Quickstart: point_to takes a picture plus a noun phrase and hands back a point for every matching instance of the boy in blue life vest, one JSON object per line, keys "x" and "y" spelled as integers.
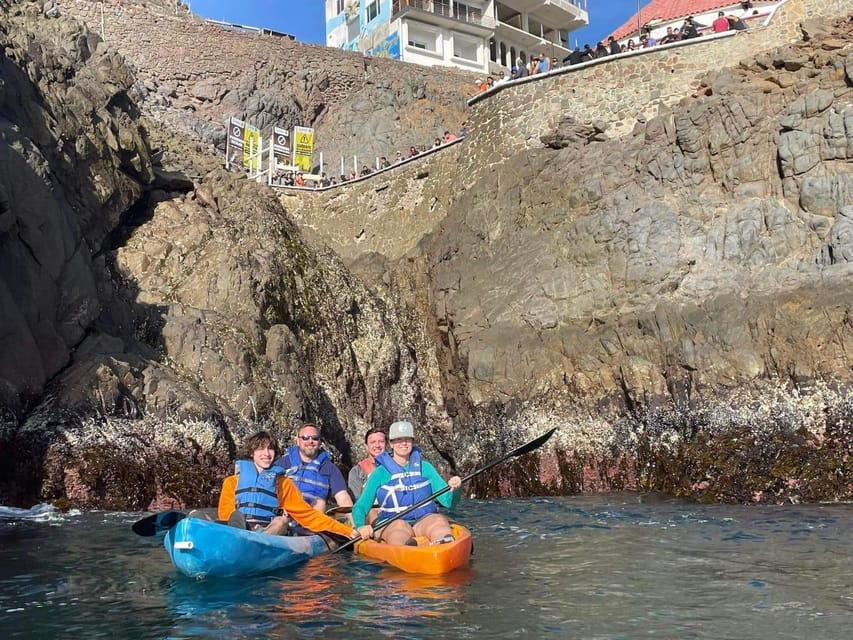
{"x": 313, "y": 471}
{"x": 263, "y": 497}
{"x": 403, "y": 478}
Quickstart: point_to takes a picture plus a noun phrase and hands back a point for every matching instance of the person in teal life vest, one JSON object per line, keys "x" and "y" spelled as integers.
{"x": 312, "y": 470}
{"x": 403, "y": 478}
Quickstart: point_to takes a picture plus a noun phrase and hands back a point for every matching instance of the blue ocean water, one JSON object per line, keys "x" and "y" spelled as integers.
{"x": 603, "y": 567}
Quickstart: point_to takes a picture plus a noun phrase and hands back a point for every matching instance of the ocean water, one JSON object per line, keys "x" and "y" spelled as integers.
{"x": 615, "y": 566}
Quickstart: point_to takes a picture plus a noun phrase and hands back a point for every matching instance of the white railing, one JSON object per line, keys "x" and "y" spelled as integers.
{"x": 580, "y": 4}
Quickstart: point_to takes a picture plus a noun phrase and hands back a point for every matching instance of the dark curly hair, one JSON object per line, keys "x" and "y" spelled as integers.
{"x": 259, "y": 440}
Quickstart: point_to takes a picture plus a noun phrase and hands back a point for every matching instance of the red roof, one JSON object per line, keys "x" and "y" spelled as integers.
{"x": 669, "y": 10}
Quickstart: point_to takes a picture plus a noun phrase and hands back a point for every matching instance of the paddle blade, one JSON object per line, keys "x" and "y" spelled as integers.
{"x": 157, "y": 523}
{"x": 533, "y": 444}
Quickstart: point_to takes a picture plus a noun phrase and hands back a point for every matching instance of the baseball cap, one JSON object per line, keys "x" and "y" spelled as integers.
{"x": 401, "y": 429}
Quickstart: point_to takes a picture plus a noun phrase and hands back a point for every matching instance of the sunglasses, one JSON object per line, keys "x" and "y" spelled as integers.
{"x": 307, "y": 438}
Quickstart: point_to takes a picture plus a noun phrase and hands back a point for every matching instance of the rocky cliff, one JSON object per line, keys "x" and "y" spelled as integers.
{"x": 191, "y": 75}
{"x": 639, "y": 289}
{"x": 676, "y": 299}
{"x": 146, "y": 318}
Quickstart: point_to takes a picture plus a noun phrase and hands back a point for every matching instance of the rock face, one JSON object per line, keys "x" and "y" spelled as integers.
{"x": 676, "y": 299}
{"x": 74, "y": 160}
{"x": 682, "y": 274}
{"x": 145, "y": 325}
{"x": 193, "y": 75}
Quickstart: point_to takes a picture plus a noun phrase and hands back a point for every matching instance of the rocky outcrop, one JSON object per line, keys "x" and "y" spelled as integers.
{"x": 193, "y": 75}
{"x": 676, "y": 299}
{"x": 619, "y": 286}
{"x": 148, "y": 318}
{"x": 75, "y": 160}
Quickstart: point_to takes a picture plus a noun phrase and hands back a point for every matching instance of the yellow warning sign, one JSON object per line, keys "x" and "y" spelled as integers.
{"x": 303, "y": 147}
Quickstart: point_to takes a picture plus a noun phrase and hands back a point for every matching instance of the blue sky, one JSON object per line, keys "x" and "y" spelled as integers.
{"x": 605, "y": 16}
{"x": 305, "y": 19}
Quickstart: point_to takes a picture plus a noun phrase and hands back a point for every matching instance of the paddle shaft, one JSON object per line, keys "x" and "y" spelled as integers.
{"x": 526, "y": 448}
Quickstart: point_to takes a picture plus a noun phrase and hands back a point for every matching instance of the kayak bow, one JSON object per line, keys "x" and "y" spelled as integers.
{"x": 426, "y": 558}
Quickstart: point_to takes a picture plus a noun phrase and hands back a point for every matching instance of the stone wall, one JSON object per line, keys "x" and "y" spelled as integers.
{"x": 614, "y": 93}
{"x": 388, "y": 213}
{"x": 618, "y": 92}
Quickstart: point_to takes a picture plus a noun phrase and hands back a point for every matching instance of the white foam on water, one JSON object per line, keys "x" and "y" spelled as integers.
{"x": 38, "y": 513}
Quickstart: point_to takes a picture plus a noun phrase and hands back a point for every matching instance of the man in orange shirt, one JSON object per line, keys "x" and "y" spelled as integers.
{"x": 264, "y": 496}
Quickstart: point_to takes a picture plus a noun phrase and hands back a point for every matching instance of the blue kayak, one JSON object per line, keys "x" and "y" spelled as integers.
{"x": 201, "y": 548}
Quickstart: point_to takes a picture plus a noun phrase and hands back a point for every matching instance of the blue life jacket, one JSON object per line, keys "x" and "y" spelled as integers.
{"x": 306, "y": 475}
{"x": 256, "y": 494}
{"x": 404, "y": 489}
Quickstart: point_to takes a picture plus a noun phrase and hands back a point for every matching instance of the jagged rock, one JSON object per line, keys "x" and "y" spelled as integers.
{"x": 209, "y": 89}
{"x": 651, "y": 294}
{"x": 570, "y": 133}
{"x": 171, "y": 181}
{"x": 840, "y": 248}
{"x": 813, "y": 29}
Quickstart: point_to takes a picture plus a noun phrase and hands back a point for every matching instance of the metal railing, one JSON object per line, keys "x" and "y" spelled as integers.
{"x": 445, "y": 8}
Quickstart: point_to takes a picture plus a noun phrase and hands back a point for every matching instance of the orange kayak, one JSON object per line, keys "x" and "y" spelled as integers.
{"x": 427, "y": 558}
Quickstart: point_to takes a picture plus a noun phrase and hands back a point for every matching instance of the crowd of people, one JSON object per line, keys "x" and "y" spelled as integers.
{"x": 541, "y": 63}
{"x": 289, "y": 492}
{"x": 689, "y": 29}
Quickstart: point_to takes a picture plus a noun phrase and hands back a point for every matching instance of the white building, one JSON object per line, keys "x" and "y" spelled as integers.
{"x": 476, "y": 35}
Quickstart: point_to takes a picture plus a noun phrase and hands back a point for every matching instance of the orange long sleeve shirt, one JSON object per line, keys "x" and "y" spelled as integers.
{"x": 290, "y": 500}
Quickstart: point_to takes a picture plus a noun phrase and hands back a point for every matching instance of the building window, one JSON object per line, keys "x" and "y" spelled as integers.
{"x": 420, "y": 38}
{"x": 372, "y": 10}
{"x": 341, "y": 7}
{"x": 467, "y": 14}
{"x": 353, "y": 29}
{"x": 464, "y": 48}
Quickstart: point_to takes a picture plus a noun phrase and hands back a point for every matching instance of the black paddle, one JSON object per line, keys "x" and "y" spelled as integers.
{"x": 157, "y": 523}
{"x": 526, "y": 448}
